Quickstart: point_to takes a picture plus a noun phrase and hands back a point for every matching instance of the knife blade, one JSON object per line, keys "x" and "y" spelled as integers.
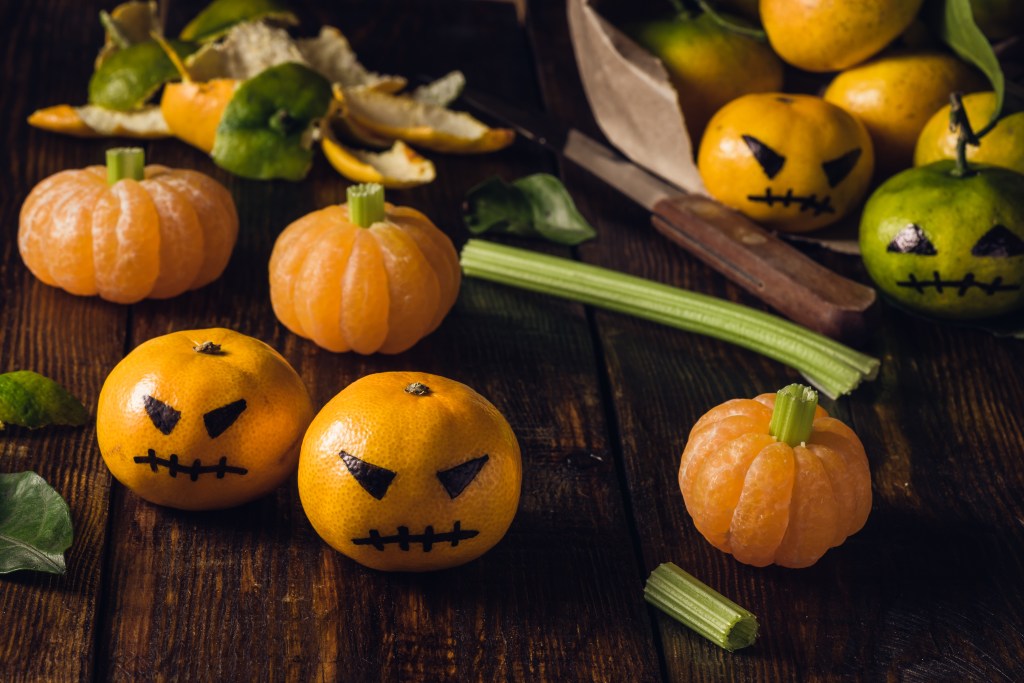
{"x": 752, "y": 257}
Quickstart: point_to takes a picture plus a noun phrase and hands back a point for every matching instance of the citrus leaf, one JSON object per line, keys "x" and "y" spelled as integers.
{"x": 35, "y": 525}
{"x": 219, "y": 16}
{"x": 28, "y": 399}
{"x": 953, "y": 21}
{"x": 266, "y": 130}
{"x": 130, "y": 76}
{"x": 535, "y": 206}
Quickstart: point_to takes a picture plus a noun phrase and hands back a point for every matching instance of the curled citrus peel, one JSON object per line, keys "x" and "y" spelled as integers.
{"x": 90, "y": 121}
{"x": 398, "y": 167}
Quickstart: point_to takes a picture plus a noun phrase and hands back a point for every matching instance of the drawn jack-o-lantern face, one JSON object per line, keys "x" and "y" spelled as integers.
{"x": 793, "y": 162}
{"x": 410, "y": 472}
{"x": 202, "y": 419}
{"x": 951, "y": 247}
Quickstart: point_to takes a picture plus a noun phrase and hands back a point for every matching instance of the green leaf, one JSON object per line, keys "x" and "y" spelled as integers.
{"x": 534, "y": 206}
{"x": 953, "y": 21}
{"x": 266, "y": 130}
{"x": 35, "y": 525}
{"x": 220, "y": 15}
{"x": 28, "y": 399}
{"x": 129, "y": 77}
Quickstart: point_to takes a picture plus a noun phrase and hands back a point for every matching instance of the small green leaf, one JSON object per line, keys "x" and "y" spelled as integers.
{"x": 35, "y": 525}
{"x": 129, "y": 77}
{"x": 953, "y": 21}
{"x": 28, "y": 399}
{"x": 219, "y": 16}
{"x": 534, "y": 206}
{"x": 266, "y": 130}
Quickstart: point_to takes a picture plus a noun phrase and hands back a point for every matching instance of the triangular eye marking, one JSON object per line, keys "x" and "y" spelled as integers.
{"x": 999, "y": 242}
{"x": 456, "y": 479}
{"x": 837, "y": 169}
{"x": 219, "y": 419}
{"x": 770, "y": 160}
{"x": 375, "y": 480}
{"x": 162, "y": 415}
{"x": 911, "y": 240}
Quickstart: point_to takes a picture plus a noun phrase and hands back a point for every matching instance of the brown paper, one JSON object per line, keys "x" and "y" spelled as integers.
{"x": 637, "y": 109}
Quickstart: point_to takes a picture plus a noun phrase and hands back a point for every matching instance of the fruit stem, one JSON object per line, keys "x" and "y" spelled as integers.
{"x": 207, "y": 347}
{"x": 793, "y": 415}
{"x": 959, "y": 123}
{"x": 729, "y": 25}
{"x": 418, "y": 389}
{"x": 125, "y": 162}
{"x": 172, "y": 55}
{"x": 366, "y": 204}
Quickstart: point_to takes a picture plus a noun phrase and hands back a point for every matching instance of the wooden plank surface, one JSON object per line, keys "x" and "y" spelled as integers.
{"x": 601, "y": 403}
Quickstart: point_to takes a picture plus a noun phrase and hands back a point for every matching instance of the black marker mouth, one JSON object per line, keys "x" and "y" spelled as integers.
{"x": 194, "y": 470}
{"x": 960, "y": 286}
{"x": 429, "y": 538}
{"x": 806, "y": 202}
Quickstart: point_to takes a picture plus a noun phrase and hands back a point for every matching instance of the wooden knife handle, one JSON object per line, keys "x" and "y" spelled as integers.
{"x": 778, "y": 274}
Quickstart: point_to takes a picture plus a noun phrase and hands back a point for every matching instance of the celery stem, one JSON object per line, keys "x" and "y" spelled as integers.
{"x": 793, "y": 415}
{"x": 125, "y": 162}
{"x": 366, "y": 204}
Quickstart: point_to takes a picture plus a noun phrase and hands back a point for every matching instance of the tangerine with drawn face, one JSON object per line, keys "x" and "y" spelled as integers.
{"x": 795, "y": 163}
{"x": 406, "y": 471}
{"x": 202, "y": 419}
{"x": 945, "y": 245}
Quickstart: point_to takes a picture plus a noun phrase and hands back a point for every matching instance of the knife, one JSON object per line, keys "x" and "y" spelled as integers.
{"x": 753, "y": 258}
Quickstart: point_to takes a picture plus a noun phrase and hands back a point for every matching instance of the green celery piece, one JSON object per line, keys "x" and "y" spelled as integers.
{"x": 130, "y": 76}
{"x": 953, "y": 21}
{"x": 219, "y": 16}
{"x": 35, "y": 525}
{"x": 28, "y": 399}
{"x": 266, "y": 128}
{"x": 701, "y": 608}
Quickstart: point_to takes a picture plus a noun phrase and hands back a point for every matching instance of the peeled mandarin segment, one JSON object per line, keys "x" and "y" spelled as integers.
{"x": 33, "y": 230}
{"x": 718, "y": 484}
{"x": 439, "y": 252}
{"x": 318, "y": 294}
{"x": 292, "y": 248}
{"x": 838, "y": 477}
{"x": 736, "y": 406}
{"x": 705, "y": 443}
{"x": 217, "y": 215}
{"x": 761, "y": 516}
{"x": 69, "y": 248}
{"x": 813, "y": 513}
{"x": 833, "y": 434}
{"x": 365, "y": 308}
{"x": 181, "y": 241}
{"x": 126, "y": 242}
{"x": 413, "y": 289}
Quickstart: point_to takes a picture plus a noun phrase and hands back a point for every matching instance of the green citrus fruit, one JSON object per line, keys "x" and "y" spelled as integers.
{"x": 826, "y": 35}
{"x": 709, "y": 64}
{"x": 895, "y": 96}
{"x": 1001, "y": 146}
{"x": 945, "y": 245}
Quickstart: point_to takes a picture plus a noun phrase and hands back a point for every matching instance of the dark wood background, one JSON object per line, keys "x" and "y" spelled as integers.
{"x": 929, "y": 590}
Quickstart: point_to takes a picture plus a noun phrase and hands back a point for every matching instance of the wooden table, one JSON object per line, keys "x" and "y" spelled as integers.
{"x": 929, "y": 590}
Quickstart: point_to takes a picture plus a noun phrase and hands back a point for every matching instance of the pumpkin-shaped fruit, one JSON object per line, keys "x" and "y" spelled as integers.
{"x": 827, "y": 35}
{"x": 127, "y": 232}
{"x": 202, "y": 419}
{"x": 405, "y": 471}
{"x": 364, "y": 276}
{"x": 945, "y": 244}
{"x": 775, "y": 480}
{"x": 793, "y": 162}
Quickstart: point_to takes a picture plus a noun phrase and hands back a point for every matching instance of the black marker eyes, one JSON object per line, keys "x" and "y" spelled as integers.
{"x": 771, "y": 161}
{"x": 456, "y": 479}
{"x": 911, "y": 240}
{"x": 165, "y": 418}
{"x": 837, "y": 169}
{"x": 998, "y": 242}
{"x": 375, "y": 480}
{"x": 219, "y": 419}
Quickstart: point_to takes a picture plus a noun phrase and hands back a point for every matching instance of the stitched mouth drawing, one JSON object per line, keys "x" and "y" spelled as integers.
{"x": 961, "y": 286}
{"x": 806, "y": 202}
{"x": 428, "y": 538}
{"x": 194, "y": 470}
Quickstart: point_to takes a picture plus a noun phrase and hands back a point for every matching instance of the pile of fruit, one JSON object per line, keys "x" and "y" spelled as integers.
{"x": 876, "y": 103}
{"x": 238, "y": 86}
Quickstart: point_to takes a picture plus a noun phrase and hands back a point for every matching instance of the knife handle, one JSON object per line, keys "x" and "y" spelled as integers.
{"x": 773, "y": 271}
